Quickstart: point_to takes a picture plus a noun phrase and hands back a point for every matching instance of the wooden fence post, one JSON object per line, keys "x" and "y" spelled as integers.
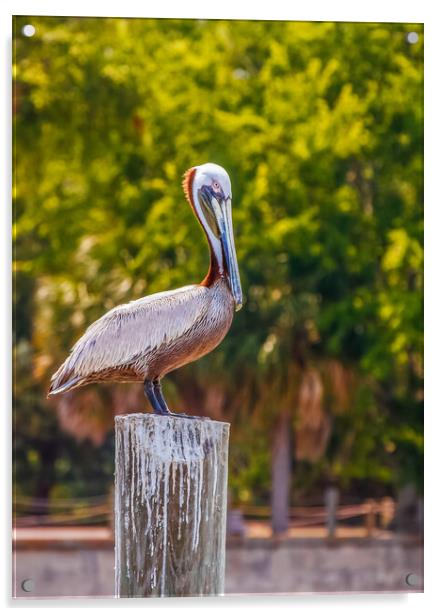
{"x": 331, "y": 507}
{"x": 281, "y": 457}
{"x": 170, "y": 506}
{"x": 370, "y": 520}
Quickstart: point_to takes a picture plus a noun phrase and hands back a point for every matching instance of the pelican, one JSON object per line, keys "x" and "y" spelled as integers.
{"x": 147, "y": 338}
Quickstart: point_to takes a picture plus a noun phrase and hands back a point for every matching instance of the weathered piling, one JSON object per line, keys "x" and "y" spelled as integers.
{"x": 170, "y": 506}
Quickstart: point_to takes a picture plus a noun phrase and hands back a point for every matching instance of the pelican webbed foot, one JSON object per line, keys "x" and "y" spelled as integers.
{"x": 154, "y": 393}
{"x": 185, "y": 416}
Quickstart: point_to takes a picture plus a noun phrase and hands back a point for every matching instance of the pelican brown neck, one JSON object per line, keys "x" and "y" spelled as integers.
{"x": 216, "y": 266}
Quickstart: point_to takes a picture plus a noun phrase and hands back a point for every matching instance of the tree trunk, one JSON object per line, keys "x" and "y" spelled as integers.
{"x": 281, "y": 466}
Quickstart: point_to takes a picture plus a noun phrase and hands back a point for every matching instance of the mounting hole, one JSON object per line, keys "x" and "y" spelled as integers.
{"x": 28, "y": 30}
{"x": 412, "y": 579}
{"x": 27, "y": 585}
{"x": 412, "y": 37}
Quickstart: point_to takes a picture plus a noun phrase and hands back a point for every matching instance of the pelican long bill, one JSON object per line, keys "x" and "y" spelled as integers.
{"x": 228, "y": 246}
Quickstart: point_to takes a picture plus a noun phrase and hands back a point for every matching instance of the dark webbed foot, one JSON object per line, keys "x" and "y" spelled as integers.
{"x": 154, "y": 394}
{"x": 185, "y": 416}
{"x": 182, "y": 415}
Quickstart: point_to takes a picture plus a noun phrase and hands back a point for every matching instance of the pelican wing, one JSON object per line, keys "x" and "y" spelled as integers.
{"x": 130, "y": 330}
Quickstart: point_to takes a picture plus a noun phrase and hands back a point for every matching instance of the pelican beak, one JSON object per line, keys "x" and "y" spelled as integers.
{"x": 228, "y": 246}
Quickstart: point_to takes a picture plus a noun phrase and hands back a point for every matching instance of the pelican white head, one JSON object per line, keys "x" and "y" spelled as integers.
{"x": 211, "y": 174}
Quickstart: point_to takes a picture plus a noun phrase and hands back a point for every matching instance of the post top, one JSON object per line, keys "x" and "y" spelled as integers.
{"x": 172, "y": 439}
{"x": 165, "y": 419}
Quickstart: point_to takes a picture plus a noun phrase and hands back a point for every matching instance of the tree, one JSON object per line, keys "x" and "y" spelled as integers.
{"x": 320, "y": 127}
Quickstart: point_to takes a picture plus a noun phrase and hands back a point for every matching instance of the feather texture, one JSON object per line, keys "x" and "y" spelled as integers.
{"x": 148, "y": 337}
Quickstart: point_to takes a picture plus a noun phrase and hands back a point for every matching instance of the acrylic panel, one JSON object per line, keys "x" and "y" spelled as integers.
{"x": 285, "y": 159}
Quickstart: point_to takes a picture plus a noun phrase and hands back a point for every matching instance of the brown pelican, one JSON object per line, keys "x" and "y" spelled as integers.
{"x": 147, "y": 338}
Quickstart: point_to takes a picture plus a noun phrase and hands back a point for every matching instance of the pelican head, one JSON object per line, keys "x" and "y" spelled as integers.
{"x": 209, "y": 192}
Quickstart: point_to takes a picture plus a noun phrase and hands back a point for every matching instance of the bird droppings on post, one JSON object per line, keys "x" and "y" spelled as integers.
{"x": 170, "y": 505}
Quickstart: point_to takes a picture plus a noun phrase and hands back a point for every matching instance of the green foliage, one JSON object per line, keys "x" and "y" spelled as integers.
{"x": 320, "y": 126}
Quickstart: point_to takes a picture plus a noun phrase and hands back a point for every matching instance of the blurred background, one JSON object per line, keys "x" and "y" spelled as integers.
{"x": 320, "y": 126}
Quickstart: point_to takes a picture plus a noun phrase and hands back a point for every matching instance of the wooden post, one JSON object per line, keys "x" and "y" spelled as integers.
{"x": 281, "y": 458}
{"x": 387, "y": 509}
{"x": 370, "y": 520}
{"x": 331, "y": 506}
{"x": 170, "y": 506}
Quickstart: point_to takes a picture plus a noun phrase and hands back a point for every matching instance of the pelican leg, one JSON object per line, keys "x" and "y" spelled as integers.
{"x": 159, "y": 396}
{"x": 158, "y": 393}
{"x": 149, "y": 392}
